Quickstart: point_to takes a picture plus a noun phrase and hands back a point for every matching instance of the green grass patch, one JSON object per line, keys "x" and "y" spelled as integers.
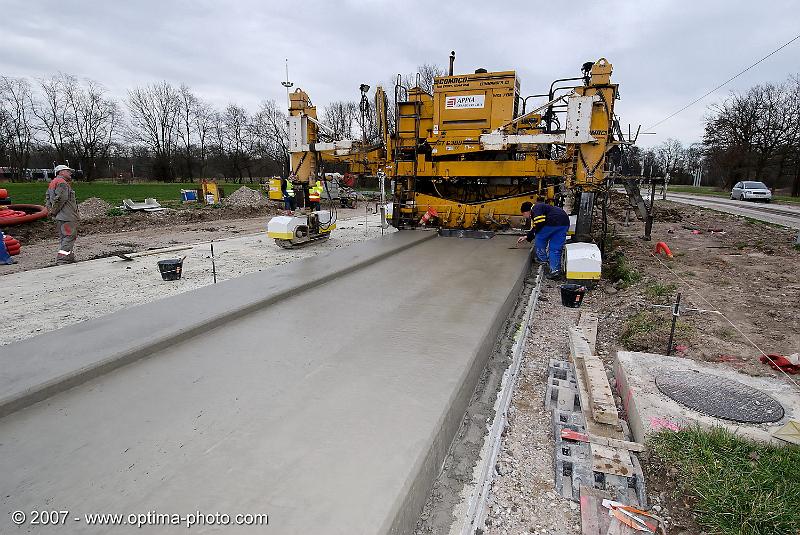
{"x": 736, "y": 487}
{"x": 648, "y": 331}
{"x": 112, "y": 193}
{"x": 621, "y": 270}
{"x": 658, "y": 292}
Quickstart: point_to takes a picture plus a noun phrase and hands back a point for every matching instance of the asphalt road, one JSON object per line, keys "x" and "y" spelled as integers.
{"x": 786, "y": 215}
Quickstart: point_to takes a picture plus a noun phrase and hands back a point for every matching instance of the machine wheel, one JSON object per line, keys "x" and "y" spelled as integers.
{"x": 284, "y": 244}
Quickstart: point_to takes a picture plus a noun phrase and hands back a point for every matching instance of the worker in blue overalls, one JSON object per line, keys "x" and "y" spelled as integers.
{"x": 549, "y": 226}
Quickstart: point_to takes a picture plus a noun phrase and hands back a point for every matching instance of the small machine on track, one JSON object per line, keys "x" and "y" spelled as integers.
{"x": 301, "y": 228}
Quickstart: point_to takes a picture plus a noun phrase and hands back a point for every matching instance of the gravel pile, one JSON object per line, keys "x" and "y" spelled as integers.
{"x": 92, "y": 208}
{"x": 245, "y": 197}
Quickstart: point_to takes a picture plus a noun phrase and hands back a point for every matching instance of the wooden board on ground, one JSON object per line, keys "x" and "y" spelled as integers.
{"x": 601, "y": 400}
{"x": 587, "y": 322}
{"x": 595, "y": 429}
{"x": 616, "y": 443}
{"x": 594, "y": 517}
{"x": 611, "y": 460}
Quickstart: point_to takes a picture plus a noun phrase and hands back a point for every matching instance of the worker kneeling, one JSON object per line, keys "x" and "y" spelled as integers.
{"x": 549, "y": 227}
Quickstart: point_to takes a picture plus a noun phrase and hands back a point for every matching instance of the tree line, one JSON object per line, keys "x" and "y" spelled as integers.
{"x": 749, "y": 135}
{"x": 158, "y": 131}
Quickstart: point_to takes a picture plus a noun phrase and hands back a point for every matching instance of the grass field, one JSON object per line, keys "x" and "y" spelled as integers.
{"x": 708, "y": 190}
{"x": 112, "y": 193}
{"x": 737, "y": 487}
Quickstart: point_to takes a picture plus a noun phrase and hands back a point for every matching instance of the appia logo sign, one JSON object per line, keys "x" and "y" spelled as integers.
{"x": 464, "y": 101}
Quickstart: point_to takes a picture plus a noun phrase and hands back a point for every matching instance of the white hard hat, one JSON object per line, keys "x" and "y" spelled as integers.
{"x": 60, "y": 168}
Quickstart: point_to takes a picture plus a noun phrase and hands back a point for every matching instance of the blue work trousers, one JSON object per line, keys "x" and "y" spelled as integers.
{"x": 549, "y": 242}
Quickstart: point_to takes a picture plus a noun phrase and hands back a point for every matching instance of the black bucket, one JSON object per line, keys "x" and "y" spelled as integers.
{"x": 171, "y": 269}
{"x": 572, "y": 295}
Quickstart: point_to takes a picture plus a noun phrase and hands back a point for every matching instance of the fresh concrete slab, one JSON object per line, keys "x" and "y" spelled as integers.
{"x": 34, "y": 369}
{"x": 331, "y": 410}
{"x": 649, "y": 410}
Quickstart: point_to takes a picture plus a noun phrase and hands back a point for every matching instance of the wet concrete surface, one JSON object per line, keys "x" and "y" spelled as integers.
{"x": 330, "y": 410}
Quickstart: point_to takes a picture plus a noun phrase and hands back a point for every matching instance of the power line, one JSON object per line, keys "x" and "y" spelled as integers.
{"x": 723, "y": 84}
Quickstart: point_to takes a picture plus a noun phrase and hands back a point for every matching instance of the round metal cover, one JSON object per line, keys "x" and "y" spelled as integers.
{"x": 719, "y": 397}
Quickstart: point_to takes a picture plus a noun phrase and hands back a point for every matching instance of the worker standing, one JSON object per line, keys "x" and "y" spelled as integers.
{"x": 315, "y": 195}
{"x": 549, "y": 227}
{"x": 288, "y": 194}
{"x": 63, "y": 207}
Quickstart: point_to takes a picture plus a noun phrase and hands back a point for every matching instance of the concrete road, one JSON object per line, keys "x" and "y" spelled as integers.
{"x": 786, "y": 215}
{"x": 331, "y": 410}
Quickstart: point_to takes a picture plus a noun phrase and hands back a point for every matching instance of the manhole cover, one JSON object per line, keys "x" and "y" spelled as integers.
{"x": 719, "y": 397}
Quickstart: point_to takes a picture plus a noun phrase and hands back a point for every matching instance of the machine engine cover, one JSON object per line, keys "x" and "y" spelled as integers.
{"x": 284, "y": 227}
{"x": 582, "y": 261}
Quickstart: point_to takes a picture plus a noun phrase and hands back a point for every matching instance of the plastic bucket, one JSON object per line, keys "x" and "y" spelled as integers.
{"x": 171, "y": 269}
{"x": 572, "y": 295}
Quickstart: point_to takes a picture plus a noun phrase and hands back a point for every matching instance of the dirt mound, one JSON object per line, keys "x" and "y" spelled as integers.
{"x": 245, "y": 197}
{"x": 92, "y": 208}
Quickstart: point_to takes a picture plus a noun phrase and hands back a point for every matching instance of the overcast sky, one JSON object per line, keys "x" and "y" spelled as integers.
{"x": 665, "y": 54}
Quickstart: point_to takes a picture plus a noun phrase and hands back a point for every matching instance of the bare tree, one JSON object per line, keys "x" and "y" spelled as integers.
{"x": 95, "y": 119}
{"x": 154, "y": 119}
{"x": 271, "y": 131}
{"x": 427, "y": 72}
{"x": 52, "y": 112}
{"x": 340, "y": 117}
{"x": 669, "y": 154}
{"x": 16, "y": 125}
{"x": 237, "y": 139}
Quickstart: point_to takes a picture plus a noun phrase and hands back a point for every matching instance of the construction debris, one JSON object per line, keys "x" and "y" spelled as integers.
{"x": 245, "y": 197}
{"x": 93, "y": 208}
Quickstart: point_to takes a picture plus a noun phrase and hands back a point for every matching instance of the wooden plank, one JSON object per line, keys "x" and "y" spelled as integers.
{"x": 604, "y": 410}
{"x": 616, "y": 443}
{"x": 601, "y": 400}
{"x": 579, "y": 347}
{"x": 594, "y": 517}
{"x": 587, "y": 322}
{"x": 596, "y": 429}
{"x": 611, "y": 460}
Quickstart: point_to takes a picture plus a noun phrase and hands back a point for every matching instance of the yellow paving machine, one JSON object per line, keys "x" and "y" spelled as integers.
{"x": 466, "y": 155}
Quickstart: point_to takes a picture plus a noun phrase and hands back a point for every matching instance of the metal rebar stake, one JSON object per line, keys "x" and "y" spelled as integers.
{"x": 213, "y": 264}
{"x": 676, "y": 311}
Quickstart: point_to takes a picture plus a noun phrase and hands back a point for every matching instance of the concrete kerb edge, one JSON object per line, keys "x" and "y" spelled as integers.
{"x": 428, "y": 468}
{"x": 18, "y": 401}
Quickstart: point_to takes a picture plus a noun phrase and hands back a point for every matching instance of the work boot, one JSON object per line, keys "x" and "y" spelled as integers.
{"x": 65, "y": 259}
{"x": 554, "y": 275}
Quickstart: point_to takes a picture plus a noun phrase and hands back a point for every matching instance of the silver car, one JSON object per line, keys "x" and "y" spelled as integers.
{"x": 751, "y": 191}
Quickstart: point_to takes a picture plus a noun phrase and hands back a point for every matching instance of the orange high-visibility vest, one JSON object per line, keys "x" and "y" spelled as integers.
{"x": 315, "y": 193}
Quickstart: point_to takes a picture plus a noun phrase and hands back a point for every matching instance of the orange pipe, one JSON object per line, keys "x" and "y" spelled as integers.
{"x": 662, "y": 247}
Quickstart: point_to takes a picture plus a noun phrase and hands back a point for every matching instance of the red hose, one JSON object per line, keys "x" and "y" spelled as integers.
{"x": 15, "y": 214}
{"x": 662, "y": 247}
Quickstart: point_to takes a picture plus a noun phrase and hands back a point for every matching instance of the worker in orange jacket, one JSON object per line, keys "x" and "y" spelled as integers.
{"x": 63, "y": 207}
{"x": 315, "y": 195}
